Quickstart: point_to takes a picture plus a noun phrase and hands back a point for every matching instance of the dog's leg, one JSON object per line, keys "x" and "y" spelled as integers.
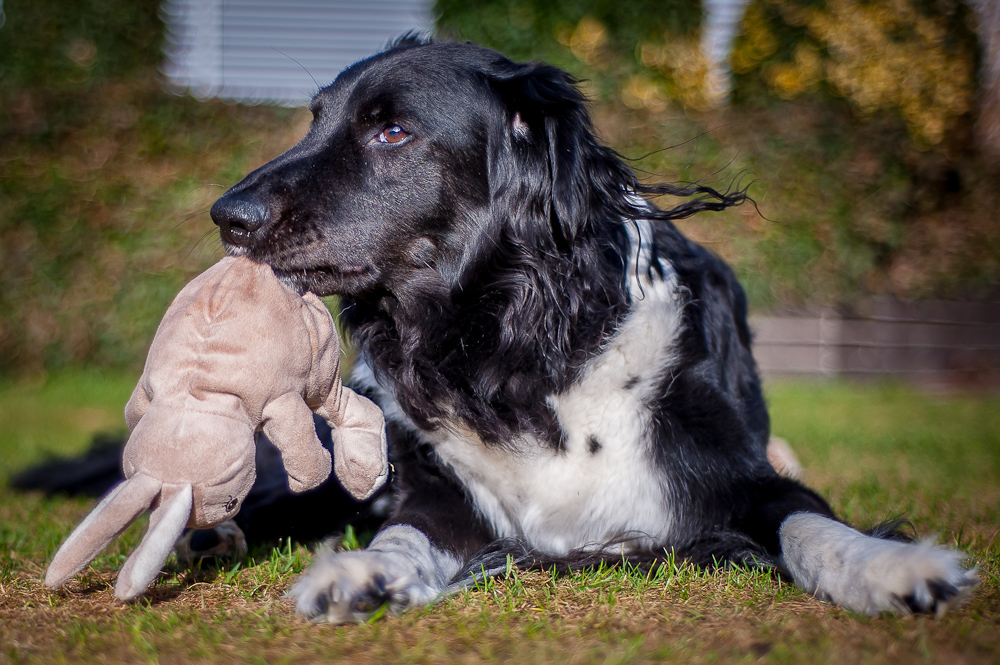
{"x": 870, "y": 575}
{"x": 412, "y": 560}
{"x": 863, "y": 573}
{"x": 222, "y": 540}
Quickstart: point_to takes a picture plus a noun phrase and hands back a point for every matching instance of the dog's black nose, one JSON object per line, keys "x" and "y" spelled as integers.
{"x": 238, "y": 217}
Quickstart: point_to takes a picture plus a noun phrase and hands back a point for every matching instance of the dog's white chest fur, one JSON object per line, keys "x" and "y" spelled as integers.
{"x": 561, "y": 500}
{"x": 602, "y": 486}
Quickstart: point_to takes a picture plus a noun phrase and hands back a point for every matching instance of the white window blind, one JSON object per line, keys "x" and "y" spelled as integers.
{"x": 258, "y": 51}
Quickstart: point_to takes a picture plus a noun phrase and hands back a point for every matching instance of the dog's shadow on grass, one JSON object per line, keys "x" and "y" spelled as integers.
{"x": 177, "y": 578}
{"x": 161, "y": 594}
{"x": 174, "y": 580}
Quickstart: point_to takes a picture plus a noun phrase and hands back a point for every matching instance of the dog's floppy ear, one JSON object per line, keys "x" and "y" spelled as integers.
{"x": 552, "y": 137}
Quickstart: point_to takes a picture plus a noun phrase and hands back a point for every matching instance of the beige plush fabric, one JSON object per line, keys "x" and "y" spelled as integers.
{"x": 237, "y": 351}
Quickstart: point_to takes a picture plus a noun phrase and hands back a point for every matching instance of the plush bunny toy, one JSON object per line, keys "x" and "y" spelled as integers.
{"x": 236, "y": 352}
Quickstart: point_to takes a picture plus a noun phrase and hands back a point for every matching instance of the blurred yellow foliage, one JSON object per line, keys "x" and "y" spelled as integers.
{"x": 758, "y": 43}
{"x": 882, "y": 54}
{"x": 683, "y": 67}
{"x": 586, "y": 40}
{"x": 679, "y": 66}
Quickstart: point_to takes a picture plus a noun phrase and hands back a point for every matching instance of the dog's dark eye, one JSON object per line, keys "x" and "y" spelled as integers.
{"x": 393, "y": 134}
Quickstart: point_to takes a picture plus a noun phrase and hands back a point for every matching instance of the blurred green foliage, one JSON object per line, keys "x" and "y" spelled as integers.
{"x": 105, "y": 179}
{"x": 913, "y": 58}
{"x": 853, "y": 116}
{"x": 580, "y": 36}
{"x": 79, "y": 43}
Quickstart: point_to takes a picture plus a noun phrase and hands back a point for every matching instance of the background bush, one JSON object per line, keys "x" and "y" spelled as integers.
{"x": 854, "y": 117}
{"x": 105, "y": 179}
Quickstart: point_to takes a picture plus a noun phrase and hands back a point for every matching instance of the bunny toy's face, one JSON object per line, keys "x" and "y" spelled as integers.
{"x": 214, "y": 454}
{"x": 217, "y": 501}
{"x": 218, "y": 486}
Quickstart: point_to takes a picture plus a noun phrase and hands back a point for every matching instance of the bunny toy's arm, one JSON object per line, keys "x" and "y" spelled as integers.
{"x": 359, "y": 444}
{"x": 137, "y": 405}
{"x": 288, "y": 423}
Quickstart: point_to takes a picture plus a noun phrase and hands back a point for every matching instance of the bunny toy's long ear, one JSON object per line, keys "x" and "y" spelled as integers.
{"x": 105, "y": 523}
{"x": 166, "y": 523}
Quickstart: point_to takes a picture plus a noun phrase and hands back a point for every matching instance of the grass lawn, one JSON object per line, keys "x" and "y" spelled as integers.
{"x": 876, "y": 451}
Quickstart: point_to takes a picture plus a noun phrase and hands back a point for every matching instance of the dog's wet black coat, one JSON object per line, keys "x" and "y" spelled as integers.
{"x": 481, "y": 261}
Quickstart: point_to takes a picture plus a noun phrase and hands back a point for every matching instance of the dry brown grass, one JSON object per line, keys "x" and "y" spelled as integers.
{"x": 526, "y": 618}
{"x": 868, "y": 449}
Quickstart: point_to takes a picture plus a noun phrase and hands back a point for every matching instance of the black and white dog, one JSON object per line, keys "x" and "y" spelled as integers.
{"x": 565, "y": 376}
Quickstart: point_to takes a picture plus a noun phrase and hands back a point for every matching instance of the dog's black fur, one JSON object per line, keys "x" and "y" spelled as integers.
{"x": 482, "y": 261}
{"x": 491, "y": 257}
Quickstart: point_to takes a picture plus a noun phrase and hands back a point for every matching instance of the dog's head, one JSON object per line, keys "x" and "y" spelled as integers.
{"x": 474, "y": 225}
{"x": 418, "y": 161}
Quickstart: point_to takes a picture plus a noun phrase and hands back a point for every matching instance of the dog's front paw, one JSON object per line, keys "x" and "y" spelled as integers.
{"x": 917, "y": 578}
{"x": 343, "y": 587}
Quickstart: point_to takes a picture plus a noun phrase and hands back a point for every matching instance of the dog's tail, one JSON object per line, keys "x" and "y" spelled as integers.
{"x": 92, "y": 474}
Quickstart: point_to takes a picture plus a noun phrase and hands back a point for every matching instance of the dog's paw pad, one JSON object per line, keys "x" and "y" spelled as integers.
{"x": 368, "y": 601}
{"x": 352, "y": 586}
{"x": 937, "y": 596}
{"x": 920, "y": 578}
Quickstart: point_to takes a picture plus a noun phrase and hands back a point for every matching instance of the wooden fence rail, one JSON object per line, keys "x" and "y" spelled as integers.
{"x": 928, "y": 342}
